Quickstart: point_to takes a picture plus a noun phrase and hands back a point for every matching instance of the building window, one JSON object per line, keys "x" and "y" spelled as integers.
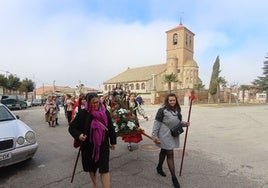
{"x": 175, "y": 39}
{"x": 131, "y": 86}
{"x": 126, "y": 87}
{"x": 190, "y": 41}
{"x": 137, "y": 86}
{"x": 143, "y": 85}
{"x": 186, "y": 41}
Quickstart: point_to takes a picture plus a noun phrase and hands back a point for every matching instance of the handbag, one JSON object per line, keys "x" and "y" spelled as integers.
{"x": 176, "y": 130}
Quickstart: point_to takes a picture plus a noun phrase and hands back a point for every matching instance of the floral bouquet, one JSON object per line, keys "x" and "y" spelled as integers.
{"x": 124, "y": 119}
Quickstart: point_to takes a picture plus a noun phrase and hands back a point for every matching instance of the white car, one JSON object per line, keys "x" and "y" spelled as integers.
{"x": 17, "y": 140}
{"x": 29, "y": 103}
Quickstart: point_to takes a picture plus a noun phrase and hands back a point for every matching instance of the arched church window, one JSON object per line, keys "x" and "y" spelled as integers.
{"x": 131, "y": 86}
{"x": 175, "y": 39}
{"x": 143, "y": 85}
{"x": 137, "y": 86}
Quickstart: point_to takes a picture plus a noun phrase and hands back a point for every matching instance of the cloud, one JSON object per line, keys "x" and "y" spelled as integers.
{"x": 92, "y": 42}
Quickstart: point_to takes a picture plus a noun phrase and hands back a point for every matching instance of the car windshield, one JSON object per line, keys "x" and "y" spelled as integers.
{"x": 5, "y": 115}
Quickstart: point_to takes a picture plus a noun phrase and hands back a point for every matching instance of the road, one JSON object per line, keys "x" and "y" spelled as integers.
{"x": 226, "y": 147}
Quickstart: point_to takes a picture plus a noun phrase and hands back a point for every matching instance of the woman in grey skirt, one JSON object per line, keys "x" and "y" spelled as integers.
{"x": 168, "y": 116}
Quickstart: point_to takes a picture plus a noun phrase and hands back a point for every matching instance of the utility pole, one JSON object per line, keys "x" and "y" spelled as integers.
{"x": 7, "y": 72}
{"x": 54, "y": 87}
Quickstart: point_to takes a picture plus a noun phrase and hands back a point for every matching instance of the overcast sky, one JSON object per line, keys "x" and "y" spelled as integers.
{"x": 91, "y": 41}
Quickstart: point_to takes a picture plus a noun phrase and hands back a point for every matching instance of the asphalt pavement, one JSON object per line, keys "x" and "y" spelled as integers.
{"x": 227, "y": 147}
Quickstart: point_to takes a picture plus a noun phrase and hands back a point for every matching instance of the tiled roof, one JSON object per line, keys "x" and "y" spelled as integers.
{"x": 137, "y": 74}
{"x": 179, "y": 27}
{"x": 61, "y": 89}
{"x": 41, "y": 90}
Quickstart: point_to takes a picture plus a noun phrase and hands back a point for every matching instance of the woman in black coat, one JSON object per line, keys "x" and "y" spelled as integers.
{"x": 93, "y": 126}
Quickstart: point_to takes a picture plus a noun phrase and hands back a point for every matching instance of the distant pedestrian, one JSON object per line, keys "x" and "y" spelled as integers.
{"x": 79, "y": 105}
{"x": 50, "y": 111}
{"x": 68, "y": 103}
{"x": 57, "y": 102}
{"x": 139, "y": 100}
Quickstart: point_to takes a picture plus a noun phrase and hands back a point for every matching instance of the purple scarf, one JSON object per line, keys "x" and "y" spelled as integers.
{"x": 97, "y": 130}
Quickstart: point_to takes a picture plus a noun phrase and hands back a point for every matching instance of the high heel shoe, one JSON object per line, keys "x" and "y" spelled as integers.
{"x": 175, "y": 182}
{"x": 129, "y": 147}
{"x": 160, "y": 171}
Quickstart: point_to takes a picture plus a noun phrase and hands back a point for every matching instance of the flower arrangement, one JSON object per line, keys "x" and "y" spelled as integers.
{"x": 124, "y": 119}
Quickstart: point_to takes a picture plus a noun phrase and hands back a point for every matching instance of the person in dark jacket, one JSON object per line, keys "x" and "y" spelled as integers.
{"x": 94, "y": 128}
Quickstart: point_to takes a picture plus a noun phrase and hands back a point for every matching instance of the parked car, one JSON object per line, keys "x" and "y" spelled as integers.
{"x": 17, "y": 140}
{"x": 14, "y": 102}
{"x": 37, "y": 102}
{"x": 29, "y": 103}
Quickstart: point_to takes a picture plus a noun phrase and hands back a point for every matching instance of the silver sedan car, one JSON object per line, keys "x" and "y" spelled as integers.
{"x": 17, "y": 140}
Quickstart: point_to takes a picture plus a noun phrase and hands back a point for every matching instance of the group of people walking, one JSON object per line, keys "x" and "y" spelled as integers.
{"x": 93, "y": 126}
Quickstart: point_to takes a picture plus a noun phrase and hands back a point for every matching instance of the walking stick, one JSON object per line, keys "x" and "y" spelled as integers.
{"x": 75, "y": 164}
{"x": 192, "y": 97}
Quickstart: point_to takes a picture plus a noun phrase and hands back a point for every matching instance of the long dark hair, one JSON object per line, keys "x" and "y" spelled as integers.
{"x": 160, "y": 115}
{"x": 177, "y": 106}
{"x": 89, "y": 97}
{"x": 81, "y": 97}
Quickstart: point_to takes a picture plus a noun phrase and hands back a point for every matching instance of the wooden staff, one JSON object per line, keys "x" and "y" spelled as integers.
{"x": 148, "y": 136}
{"x": 192, "y": 97}
{"x": 75, "y": 164}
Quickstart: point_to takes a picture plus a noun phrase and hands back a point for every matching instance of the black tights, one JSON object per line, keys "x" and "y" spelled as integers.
{"x": 170, "y": 160}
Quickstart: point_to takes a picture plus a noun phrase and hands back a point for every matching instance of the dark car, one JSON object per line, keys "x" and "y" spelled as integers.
{"x": 14, "y": 102}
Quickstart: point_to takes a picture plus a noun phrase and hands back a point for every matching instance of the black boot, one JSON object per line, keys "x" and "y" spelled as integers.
{"x": 160, "y": 171}
{"x": 175, "y": 182}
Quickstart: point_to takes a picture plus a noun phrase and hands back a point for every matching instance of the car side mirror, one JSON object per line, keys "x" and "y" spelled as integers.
{"x": 18, "y": 117}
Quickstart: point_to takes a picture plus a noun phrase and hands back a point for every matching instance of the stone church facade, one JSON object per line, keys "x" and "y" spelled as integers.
{"x": 179, "y": 61}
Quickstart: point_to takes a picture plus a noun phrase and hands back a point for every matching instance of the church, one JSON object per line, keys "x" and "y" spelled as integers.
{"x": 179, "y": 61}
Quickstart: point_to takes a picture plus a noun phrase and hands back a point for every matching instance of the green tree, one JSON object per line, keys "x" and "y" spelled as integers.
{"x": 13, "y": 82}
{"x": 221, "y": 82}
{"x": 3, "y": 82}
{"x": 26, "y": 86}
{"x": 170, "y": 78}
{"x": 213, "y": 85}
{"x": 262, "y": 81}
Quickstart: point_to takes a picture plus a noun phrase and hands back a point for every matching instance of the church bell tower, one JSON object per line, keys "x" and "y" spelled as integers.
{"x": 179, "y": 56}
